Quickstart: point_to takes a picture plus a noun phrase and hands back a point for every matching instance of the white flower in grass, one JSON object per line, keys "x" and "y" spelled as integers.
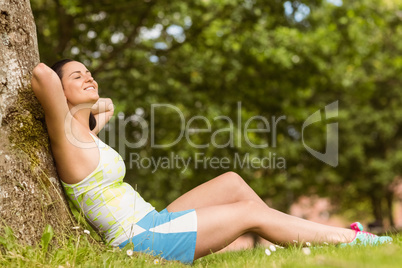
{"x": 156, "y": 261}
{"x": 277, "y": 246}
{"x": 130, "y": 252}
{"x": 268, "y": 252}
{"x": 306, "y": 251}
{"x": 325, "y": 243}
{"x": 308, "y": 244}
{"x": 272, "y": 248}
{"x": 87, "y": 232}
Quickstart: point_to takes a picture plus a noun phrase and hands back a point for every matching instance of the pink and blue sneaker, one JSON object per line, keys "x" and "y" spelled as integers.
{"x": 365, "y": 238}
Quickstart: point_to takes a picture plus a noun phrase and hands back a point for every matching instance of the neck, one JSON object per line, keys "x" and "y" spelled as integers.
{"x": 81, "y": 115}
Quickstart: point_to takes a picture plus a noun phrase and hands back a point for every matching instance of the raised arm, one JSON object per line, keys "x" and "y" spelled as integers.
{"x": 49, "y": 91}
{"x": 102, "y": 110}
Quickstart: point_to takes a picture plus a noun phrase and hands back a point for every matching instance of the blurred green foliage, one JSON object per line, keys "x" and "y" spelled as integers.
{"x": 272, "y": 59}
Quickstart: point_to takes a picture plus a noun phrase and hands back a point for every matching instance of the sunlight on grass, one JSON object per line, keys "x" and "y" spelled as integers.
{"x": 326, "y": 256}
{"x": 81, "y": 250}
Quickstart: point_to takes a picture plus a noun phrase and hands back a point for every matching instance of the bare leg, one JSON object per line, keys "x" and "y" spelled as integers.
{"x": 224, "y": 189}
{"x": 220, "y": 225}
{"x": 227, "y": 207}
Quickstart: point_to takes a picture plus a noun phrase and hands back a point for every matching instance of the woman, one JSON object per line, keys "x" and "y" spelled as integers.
{"x": 202, "y": 221}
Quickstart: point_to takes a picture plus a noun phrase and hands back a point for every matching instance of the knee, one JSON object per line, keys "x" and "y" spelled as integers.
{"x": 234, "y": 178}
{"x": 236, "y": 184}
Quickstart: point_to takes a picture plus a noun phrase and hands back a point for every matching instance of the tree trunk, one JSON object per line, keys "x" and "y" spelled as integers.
{"x": 377, "y": 211}
{"x": 30, "y": 192}
{"x": 390, "y": 199}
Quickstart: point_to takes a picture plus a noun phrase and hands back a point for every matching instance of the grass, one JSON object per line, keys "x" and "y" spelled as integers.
{"x": 80, "y": 250}
{"x": 328, "y": 256}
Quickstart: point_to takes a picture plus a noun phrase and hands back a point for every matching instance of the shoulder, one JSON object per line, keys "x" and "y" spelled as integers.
{"x": 76, "y": 155}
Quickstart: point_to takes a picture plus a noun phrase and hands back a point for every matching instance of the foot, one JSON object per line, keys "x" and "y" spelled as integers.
{"x": 365, "y": 238}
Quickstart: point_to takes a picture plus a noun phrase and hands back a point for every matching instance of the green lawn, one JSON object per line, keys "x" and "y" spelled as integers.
{"x": 78, "y": 251}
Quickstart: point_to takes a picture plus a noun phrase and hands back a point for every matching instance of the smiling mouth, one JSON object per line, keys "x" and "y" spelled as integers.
{"x": 89, "y": 88}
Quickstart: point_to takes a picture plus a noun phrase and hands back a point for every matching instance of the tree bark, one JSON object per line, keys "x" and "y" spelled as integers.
{"x": 30, "y": 192}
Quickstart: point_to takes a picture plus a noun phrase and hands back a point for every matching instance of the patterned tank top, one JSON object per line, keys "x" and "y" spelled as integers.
{"x": 112, "y": 206}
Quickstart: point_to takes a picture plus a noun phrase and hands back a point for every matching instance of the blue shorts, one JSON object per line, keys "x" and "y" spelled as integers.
{"x": 170, "y": 235}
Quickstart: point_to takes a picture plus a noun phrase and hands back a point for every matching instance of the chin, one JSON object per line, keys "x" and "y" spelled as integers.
{"x": 95, "y": 99}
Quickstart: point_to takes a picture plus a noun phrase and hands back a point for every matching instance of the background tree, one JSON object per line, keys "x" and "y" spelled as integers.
{"x": 277, "y": 58}
{"x": 30, "y": 193}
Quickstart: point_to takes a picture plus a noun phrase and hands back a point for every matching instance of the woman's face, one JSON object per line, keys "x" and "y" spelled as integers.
{"x": 78, "y": 84}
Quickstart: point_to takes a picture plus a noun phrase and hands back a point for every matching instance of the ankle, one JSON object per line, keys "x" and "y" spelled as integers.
{"x": 348, "y": 236}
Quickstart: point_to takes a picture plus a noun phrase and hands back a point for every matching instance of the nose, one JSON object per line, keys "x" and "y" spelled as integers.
{"x": 90, "y": 78}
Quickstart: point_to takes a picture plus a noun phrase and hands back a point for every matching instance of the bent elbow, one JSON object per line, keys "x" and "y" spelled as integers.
{"x": 41, "y": 71}
{"x": 109, "y": 105}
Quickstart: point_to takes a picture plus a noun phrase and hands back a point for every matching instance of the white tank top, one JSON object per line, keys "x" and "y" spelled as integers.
{"x": 110, "y": 205}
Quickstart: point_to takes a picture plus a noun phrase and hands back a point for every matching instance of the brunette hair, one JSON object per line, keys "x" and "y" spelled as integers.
{"x": 58, "y": 68}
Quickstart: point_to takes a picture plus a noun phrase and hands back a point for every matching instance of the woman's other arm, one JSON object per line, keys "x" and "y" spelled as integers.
{"x": 102, "y": 110}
